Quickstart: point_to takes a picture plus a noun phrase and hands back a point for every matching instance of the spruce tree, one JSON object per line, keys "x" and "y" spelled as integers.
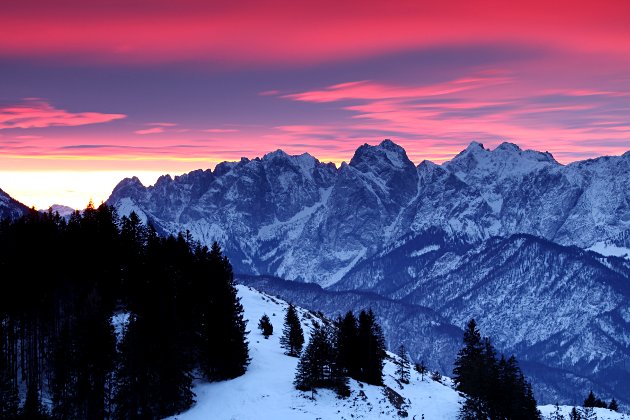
{"x": 588, "y": 413}
{"x": 402, "y": 365}
{"x": 468, "y": 370}
{"x": 613, "y": 405}
{"x": 265, "y": 327}
{"x": 422, "y": 369}
{"x": 318, "y": 366}
{"x": 590, "y": 400}
{"x": 348, "y": 347}
{"x": 225, "y": 351}
{"x": 372, "y": 349}
{"x": 574, "y": 414}
{"x": 493, "y": 389}
{"x": 9, "y": 400}
{"x": 557, "y": 413}
{"x": 292, "y": 338}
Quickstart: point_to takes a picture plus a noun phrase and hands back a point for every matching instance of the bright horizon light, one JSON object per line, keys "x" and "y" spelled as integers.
{"x": 73, "y": 188}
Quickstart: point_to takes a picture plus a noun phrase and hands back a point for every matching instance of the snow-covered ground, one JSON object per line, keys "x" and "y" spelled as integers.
{"x": 601, "y": 413}
{"x": 608, "y": 249}
{"x": 266, "y": 391}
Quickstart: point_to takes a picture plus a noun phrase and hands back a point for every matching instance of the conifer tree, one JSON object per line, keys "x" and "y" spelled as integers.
{"x": 557, "y": 413}
{"x": 590, "y": 400}
{"x": 574, "y": 414}
{"x": 613, "y": 405}
{"x": 493, "y": 389}
{"x": 265, "y": 327}
{"x": 318, "y": 366}
{"x": 9, "y": 400}
{"x": 292, "y": 338}
{"x": 468, "y": 371}
{"x": 372, "y": 349}
{"x": 588, "y": 413}
{"x": 225, "y": 351}
{"x": 422, "y": 369}
{"x": 347, "y": 339}
{"x": 402, "y": 365}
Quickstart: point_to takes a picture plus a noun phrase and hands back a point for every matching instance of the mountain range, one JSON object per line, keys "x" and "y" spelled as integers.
{"x": 507, "y": 236}
{"x": 500, "y": 235}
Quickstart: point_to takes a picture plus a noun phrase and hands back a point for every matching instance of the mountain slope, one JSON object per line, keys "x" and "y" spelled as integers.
{"x": 274, "y": 215}
{"x": 11, "y": 208}
{"x": 266, "y": 390}
{"x": 559, "y": 307}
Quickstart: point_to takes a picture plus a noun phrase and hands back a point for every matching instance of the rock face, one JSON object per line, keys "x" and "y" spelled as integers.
{"x": 300, "y": 219}
{"x": 499, "y": 235}
{"x": 10, "y": 208}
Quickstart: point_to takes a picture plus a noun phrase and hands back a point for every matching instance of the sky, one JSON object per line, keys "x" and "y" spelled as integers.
{"x": 92, "y": 92}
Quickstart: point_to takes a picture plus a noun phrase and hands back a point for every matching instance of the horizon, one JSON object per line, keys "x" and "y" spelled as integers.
{"x": 102, "y": 180}
{"x": 93, "y": 91}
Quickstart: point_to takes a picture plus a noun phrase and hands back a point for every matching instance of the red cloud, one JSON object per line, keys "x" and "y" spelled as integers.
{"x": 153, "y": 130}
{"x": 436, "y": 120}
{"x": 37, "y": 114}
{"x": 282, "y": 31}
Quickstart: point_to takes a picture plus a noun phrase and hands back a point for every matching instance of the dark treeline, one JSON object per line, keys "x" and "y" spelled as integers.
{"x": 63, "y": 281}
{"x": 351, "y": 347}
{"x": 494, "y": 388}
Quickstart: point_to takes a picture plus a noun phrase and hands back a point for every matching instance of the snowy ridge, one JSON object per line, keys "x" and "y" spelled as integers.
{"x": 10, "y": 208}
{"x": 266, "y": 390}
{"x": 274, "y": 214}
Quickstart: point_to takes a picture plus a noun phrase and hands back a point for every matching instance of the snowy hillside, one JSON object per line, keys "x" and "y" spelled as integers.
{"x": 10, "y": 208}
{"x": 266, "y": 391}
{"x": 600, "y": 413}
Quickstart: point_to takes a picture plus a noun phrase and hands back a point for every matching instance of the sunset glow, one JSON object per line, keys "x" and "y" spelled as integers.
{"x": 91, "y": 92}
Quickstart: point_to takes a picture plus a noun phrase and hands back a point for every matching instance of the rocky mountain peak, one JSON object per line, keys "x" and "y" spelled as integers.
{"x": 387, "y": 153}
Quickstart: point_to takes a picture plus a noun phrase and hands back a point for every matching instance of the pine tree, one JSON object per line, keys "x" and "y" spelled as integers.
{"x": 225, "y": 351}
{"x": 402, "y": 365}
{"x": 613, "y": 405}
{"x": 557, "y": 413}
{"x": 372, "y": 349}
{"x": 422, "y": 369}
{"x": 348, "y": 347}
{"x": 318, "y": 366}
{"x": 588, "y": 413}
{"x": 468, "y": 371}
{"x": 265, "y": 327}
{"x": 575, "y": 414}
{"x": 493, "y": 389}
{"x": 292, "y": 338}
{"x": 9, "y": 400}
{"x": 590, "y": 400}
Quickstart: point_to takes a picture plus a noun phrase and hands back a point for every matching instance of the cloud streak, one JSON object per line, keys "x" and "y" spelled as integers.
{"x": 39, "y": 114}
{"x": 492, "y": 108}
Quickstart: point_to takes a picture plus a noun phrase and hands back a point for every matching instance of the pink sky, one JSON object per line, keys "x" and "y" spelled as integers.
{"x": 107, "y": 89}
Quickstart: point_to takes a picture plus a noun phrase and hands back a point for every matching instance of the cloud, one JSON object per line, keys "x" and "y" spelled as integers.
{"x": 438, "y": 119}
{"x": 154, "y": 130}
{"x": 220, "y": 130}
{"x": 162, "y": 124}
{"x": 38, "y": 114}
{"x": 278, "y": 31}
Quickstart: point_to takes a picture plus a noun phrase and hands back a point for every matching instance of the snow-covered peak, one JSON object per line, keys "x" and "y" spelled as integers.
{"x": 505, "y": 161}
{"x": 127, "y": 184}
{"x": 387, "y": 153}
{"x": 63, "y": 211}
{"x": 279, "y": 153}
